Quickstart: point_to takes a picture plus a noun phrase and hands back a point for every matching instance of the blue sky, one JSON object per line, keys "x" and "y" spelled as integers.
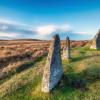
{"x": 79, "y": 19}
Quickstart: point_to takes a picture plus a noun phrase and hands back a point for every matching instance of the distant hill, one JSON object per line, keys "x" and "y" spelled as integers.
{"x": 22, "y": 40}
{"x": 74, "y": 43}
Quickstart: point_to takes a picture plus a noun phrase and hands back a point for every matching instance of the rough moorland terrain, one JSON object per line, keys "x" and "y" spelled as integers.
{"x": 21, "y": 70}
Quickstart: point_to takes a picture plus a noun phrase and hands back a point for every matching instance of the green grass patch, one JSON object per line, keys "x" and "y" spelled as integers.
{"x": 81, "y": 80}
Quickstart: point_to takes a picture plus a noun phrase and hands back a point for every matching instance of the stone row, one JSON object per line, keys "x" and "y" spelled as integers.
{"x": 53, "y": 69}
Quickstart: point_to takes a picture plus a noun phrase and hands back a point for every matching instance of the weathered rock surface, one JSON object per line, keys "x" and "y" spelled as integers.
{"x": 66, "y": 50}
{"x": 53, "y": 69}
{"x": 96, "y": 41}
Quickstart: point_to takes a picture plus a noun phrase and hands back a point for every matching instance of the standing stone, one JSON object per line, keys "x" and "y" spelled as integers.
{"x": 96, "y": 41}
{"x": 66, "y": 50}
{"x": 53, "y": 69}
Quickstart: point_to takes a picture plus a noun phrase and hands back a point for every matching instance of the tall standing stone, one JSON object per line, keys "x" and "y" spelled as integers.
{"x": 96, "y": 41}
{"x": 66, "y": 50}
{"x": 53, "y": 69}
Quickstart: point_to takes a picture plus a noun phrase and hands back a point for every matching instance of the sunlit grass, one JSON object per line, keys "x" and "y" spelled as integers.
{"x": 80, "y": 81}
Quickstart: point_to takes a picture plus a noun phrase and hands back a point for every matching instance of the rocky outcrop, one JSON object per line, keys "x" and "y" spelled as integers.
{"x": 95, "y": 43}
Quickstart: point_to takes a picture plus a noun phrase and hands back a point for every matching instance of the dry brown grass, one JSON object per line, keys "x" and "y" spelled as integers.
{"x": 13, "y": 54}
{"x": 21, "y": 79}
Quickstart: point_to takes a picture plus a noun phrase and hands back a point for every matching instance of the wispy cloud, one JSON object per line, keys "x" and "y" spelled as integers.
{"x": 46, "y": 29}
{"x": 7, "y": 21}
{"x": 3, "y": 27}
{"x": 9, "y": 35}
{"x": 12, "y": 30}
{"x": 49, "y": 29}
{"x": 83, "y": 33}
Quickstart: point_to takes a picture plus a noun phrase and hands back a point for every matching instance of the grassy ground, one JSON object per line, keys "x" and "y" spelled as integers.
{"x": 81, "y": 80}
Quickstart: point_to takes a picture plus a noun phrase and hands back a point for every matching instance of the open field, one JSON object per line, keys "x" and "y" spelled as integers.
{"x": 21, "y": 70}
{"x": 49, "y": 49}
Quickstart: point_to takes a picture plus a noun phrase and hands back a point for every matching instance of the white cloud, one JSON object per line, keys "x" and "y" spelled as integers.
{"x": 9, "y": 35}
{"x": 49, "y": 29}
{"x": 3, "y": 27}
{"x": 11, "y": 22}
{"x": 64, "y": 28}
{"x": 46, "y": 30}
{"x": 12, "y": 29}
{"x": 84, "y": 33}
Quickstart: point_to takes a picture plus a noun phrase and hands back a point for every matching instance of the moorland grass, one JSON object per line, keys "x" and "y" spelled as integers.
{"x": 81, "y": 80}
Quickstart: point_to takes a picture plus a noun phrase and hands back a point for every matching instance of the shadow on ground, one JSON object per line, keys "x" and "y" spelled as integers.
{"x": 30, "y": 64}
{"x": 80, "y": 80}
{"x": 82, "y": 58}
